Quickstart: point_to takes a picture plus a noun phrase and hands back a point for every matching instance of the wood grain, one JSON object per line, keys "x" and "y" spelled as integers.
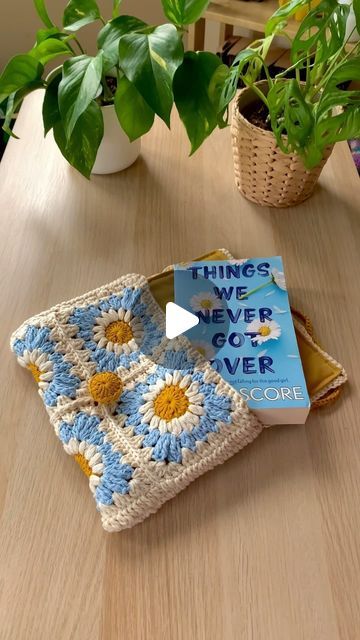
{"x": 265, "y": 547}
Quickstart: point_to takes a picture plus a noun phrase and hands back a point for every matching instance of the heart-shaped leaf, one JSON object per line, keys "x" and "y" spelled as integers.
{"x": 78, "y": 87}
{"x": 50, "y": 110}
{"x": 78, "y": 13}
{"x": 134, "y": 114}
{"x": 322, "y": 30}
{"x": 109, "y": 36}
{"x": 191, "y": 92}
{"x": 149, "y": 61}
{"x": 82, "y": 147}
{"x": 182, "y": 12}
{"x": 52, "y": 32}
{"x": 42, "y": 13}
{"x": 19, "y": 72}
{"x": 215, "y": 90}
{"x": 49, "y": 49}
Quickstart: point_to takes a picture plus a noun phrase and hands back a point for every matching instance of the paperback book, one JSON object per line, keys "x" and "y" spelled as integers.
{"x": 246, "y": 331}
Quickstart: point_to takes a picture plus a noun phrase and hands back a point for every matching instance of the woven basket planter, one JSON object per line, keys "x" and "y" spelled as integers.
{"x": 263, "y": 173}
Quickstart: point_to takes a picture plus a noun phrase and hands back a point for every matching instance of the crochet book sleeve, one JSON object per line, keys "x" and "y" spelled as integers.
{"x": 142, "y": 416}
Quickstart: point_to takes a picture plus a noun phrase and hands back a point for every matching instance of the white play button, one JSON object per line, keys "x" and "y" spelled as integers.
{"x": 178, "y": 320}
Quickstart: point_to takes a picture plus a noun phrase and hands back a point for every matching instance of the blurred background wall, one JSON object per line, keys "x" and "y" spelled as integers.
{"x": 19, "y": 22}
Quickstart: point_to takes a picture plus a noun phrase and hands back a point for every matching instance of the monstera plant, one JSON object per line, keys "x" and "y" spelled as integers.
{"x": 141, "y": 69}
{"x": 309, "y": 105}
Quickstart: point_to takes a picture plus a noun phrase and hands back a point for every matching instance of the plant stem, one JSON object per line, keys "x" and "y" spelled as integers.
{"x": 79, "y": 45}
{"x": 261, "y": 286}
{"x": 333, "y": 62}
{"x": 259, "y": 93}
{"x": 71, "y": 49}
{"x": 293, "y": 66}
{"x": 108, "y": 96}
{"x": 268, "y": 76}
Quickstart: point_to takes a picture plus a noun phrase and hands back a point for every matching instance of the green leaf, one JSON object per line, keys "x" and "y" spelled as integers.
{"x": 9, "y": 114}
{"x": 50, "y": 110}
{"x": 116, "y": 5}
{"x": 292, "y": 120}
{"x": 78, "y": 13}
{"x": 356, "y": 8}
{"x": 20, "y": 71}
{"x": 42, "y": 13}
{"x": 54, "y": 32}
{"x": 332, "y": 96}
{"x": 196, "y": 108}
{"x": 279, "y": 18}
{"x": 134, "y": 114}
{"x": 109, "y": 36}
{"x": 344, "y": 126}
{"x": 149, "y": 61}
{"x": 81, "y": 149}
{"x": 49, "y": 49}
{"x": 182, "y": 12}
{"x": 216, "y": 86}
{"x": 242, "y": 60}
{"x": 14, "y": 102}
{"x": 322, "y": 30}
{"x": 78, "y": 87}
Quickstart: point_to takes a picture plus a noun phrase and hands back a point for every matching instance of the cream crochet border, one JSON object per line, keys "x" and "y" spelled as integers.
{"x": 153, "y": 482}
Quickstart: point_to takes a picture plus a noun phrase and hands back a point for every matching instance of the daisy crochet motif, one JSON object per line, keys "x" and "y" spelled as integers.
{"x": 141, "y": 416}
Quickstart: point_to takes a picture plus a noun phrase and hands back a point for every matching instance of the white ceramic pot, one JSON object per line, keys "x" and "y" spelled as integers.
{"x": 116, "y": 152}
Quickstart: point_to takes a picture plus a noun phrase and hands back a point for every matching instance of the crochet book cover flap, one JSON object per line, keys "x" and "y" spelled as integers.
{"x": 142, "y": 416}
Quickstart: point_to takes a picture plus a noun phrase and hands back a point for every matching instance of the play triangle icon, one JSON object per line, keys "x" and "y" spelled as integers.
{"x": 178, "y": 320}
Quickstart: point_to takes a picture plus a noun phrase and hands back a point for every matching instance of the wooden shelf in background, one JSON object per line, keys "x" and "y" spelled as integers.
{"x": 248, "y": 15}
{"x": 237, "y": 13}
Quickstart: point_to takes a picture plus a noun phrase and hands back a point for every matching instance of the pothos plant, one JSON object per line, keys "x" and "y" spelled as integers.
{"x": 142, "y": 69}
{"x": 305, "y": 115}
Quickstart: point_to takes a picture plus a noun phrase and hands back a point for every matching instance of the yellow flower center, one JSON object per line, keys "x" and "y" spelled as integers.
{"x": 105, "y": 387}
{"x": 265, "y": 330}
{"x": 83, "y": 464}
{"x": 171, "y": 403}
{"x": 35, "y": 371}
{"x": 206, "y": 304}
{"x": 119, "y": 332}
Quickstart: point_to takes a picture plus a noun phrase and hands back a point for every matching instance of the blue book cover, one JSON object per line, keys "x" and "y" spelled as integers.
{"x": 246, "y": 331}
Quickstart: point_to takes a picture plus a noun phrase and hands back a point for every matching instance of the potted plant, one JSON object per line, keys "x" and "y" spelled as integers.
{"x": 284, "y": 128}
{"x": 98, "y": 106}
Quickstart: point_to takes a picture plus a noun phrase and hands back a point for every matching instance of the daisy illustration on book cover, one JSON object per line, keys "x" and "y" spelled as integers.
{"x": 246, "y": 331}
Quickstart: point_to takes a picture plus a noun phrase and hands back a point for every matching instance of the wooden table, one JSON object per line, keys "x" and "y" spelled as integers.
{"x": 265, "y": 547}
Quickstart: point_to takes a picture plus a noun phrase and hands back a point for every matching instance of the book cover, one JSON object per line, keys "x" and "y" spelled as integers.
{"x": 246, "y": 331}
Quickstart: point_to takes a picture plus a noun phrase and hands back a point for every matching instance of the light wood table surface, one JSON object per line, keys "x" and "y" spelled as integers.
{"x": 266, "y": 546}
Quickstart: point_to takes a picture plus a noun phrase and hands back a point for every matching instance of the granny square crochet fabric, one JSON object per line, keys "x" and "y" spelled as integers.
{"x": 142, "y": 415}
